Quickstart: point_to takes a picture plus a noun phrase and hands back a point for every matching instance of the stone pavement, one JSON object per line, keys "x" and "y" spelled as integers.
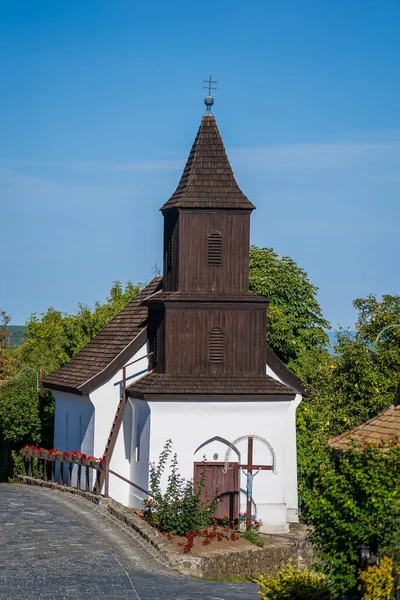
{"x": 57, "y": 546}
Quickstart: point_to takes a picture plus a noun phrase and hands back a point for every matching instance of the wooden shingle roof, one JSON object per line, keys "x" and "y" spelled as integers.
{"x": 257, "y": 387}
{"x": 385, "y": 427}
{"x": 108, "y": 350}
{"x": 208, "y": 180}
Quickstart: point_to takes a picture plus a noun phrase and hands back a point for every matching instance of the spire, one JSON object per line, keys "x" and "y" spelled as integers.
{"x": 208, "y": 180}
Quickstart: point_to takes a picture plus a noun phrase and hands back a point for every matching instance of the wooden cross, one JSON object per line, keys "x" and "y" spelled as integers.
{"x": 249, "y": 467}
{"x": 209, "y": 85}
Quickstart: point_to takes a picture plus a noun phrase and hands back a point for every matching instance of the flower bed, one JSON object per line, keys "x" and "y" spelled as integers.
{"x": 208, "y": 541}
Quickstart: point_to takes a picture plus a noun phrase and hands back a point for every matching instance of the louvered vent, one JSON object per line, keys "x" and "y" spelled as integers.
{"x": 216, "y": 345}
{"x": 214, "y": 248}
{"x": 169, "y": 254}
{"x": 155, "y": 348}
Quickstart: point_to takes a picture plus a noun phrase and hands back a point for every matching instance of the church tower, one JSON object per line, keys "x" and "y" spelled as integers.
{"x": 206, "y": 331}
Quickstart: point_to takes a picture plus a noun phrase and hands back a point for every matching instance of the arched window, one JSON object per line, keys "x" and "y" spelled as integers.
{"x": 216, "y": 345}
{"x": 214, "y": 248}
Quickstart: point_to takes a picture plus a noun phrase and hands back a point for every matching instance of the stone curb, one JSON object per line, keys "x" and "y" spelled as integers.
{"x": 234, "y": 563}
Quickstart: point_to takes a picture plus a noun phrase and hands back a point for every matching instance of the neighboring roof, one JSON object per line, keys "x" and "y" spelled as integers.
{"x": 260, "y": 387}
{"x": 281, "y": 370}
{"x": 208, "y": 180}
{"x": 109, "y": 350}
{"x": 186, "y": 296}
{"x": 385, "y": 427}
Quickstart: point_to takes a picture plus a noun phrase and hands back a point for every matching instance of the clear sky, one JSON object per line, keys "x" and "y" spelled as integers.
{"x": 101, "y": 101}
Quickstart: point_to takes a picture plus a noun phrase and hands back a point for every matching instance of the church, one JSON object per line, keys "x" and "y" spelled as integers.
{"x": 187, "y": 361}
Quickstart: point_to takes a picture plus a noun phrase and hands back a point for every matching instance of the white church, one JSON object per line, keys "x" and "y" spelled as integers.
{"x": 187, "y": 360}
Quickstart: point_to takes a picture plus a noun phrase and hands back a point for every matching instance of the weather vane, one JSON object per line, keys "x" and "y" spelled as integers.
{"x": 209, "y": 100}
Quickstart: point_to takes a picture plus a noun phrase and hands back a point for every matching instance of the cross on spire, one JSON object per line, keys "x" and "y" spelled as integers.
{"x": 209, "y": 100}
{"x": 209, "y": 85}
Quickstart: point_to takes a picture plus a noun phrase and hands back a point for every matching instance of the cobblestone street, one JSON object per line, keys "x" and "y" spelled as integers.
{"x": 57, "y": 546}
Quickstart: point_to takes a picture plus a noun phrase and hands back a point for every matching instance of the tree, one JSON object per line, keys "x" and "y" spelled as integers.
{"x": 8, "y": 359}
{"x": 355, "y": 502}
{"x": 295, "y": 323}
{"x": 349, "y": 387}
{"x": 51, "y": 340}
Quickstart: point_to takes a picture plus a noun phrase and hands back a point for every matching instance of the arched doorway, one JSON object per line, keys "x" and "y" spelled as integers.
{"x": 218, "y": 484}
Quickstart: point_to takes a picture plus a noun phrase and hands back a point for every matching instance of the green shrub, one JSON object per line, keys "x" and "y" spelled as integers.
{"x": 378, "y": 581}
{"x": 253, "y": 538}
{"x": 292, "y": 583}
{"x": 180, "y": 509}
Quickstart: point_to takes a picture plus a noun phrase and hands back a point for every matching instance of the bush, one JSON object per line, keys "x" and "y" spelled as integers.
{"x": 292, "y": 583}
{"x": 378, "y": 581}
{"x": 355, "y": 502}
{"x": 253, "y": 538}
{"x": 180, "y": 509}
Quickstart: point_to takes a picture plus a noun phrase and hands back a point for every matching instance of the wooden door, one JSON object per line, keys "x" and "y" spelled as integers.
{"x": 220, "y": 485}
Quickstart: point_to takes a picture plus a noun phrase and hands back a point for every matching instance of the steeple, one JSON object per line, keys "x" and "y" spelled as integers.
{"x": 208, "y": 181}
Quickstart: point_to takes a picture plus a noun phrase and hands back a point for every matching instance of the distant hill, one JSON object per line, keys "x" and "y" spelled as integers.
{"x": 17, "y": 335}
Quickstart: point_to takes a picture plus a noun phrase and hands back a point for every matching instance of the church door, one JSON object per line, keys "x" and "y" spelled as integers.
{"x": 220, "y": 485}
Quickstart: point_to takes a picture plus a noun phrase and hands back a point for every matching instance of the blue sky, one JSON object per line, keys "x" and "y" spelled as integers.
{"x": 101, "y": 101}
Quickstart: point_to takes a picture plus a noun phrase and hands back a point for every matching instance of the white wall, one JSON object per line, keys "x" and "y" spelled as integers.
{"x": 73, "y": 423}
{"x": 139, "y": 472}
{"x": 105, "y": 400}
{"x": 147, "y": 426}
{"x": 189, "y": 424}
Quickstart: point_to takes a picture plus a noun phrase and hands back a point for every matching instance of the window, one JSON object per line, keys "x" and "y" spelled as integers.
{"x": 214, "y": 248}
{"x": 216, "y": 345}
{"x": 155, "y": 348}
{"x": 169, "y": 254}
{"x": 137, "y": 445}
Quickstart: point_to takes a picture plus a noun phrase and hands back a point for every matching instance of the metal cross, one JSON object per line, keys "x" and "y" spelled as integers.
{"x": 209, "y": 85}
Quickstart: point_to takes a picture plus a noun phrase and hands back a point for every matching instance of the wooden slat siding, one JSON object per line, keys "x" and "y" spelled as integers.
{"x": 385, "y": 427}
{"x": 171, "y": 232}
{"x": 208, "y": 180}
{"x": 112, "y": 347}
{"x": 209, "y": 387}
{"x": 187, "y": 339}
{"x": 195, "y": 274}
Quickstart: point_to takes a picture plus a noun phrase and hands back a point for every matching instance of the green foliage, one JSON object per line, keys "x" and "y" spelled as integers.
{"x": 54, "y": 338}
{"x": 378, "y": 581}
{"x": 8, "y": 360}
{"x": 253, "y": 538}
{"x": 180, "y": 509}
{"x": 350, "y": 387}
{"x": 295, "y": 321}
{"x": 292, "y": 583}
{"x": 51, "y": 340}
{"x": 353, "y": 503}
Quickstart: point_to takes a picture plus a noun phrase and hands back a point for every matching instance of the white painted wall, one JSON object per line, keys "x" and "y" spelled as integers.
{"x": 105, "y": 400}
{"x": 147, "y": 426}
{"x": 73, "y": 423}
{"x": 189, "y": 424}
